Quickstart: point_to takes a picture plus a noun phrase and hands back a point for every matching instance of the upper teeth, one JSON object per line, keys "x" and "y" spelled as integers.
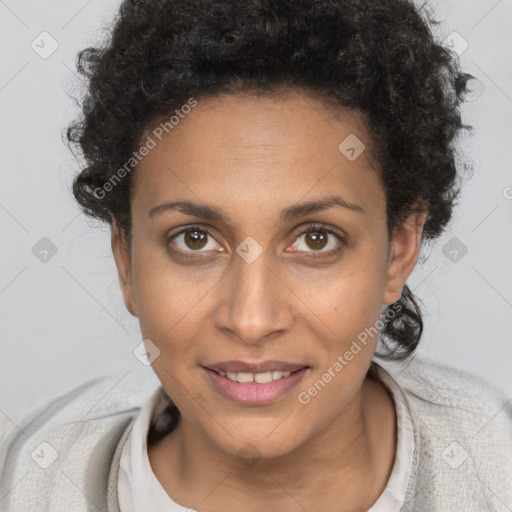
{"x": 262, "y": 377}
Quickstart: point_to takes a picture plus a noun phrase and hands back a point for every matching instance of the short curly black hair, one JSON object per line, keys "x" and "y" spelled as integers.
{"x": 380, "y": 58}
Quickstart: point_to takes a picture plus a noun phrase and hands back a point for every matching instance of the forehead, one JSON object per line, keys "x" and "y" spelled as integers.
{"x": 238, "y": 149}
{"x": 293, "y": 122}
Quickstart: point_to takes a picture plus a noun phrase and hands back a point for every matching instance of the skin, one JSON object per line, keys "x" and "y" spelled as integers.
{"x": 252, "y": 157}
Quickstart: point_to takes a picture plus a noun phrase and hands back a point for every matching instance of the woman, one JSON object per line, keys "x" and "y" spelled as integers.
{"x": 270, "y": 172}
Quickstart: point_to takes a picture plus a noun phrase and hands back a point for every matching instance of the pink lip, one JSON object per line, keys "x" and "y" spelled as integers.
{"x": 252, "y": 393}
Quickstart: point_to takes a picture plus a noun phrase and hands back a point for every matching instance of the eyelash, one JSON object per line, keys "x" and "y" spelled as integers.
{"x": 309, "y": 229}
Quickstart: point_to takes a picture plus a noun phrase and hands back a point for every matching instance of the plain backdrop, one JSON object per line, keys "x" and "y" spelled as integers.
{"x": 63, "y": 320}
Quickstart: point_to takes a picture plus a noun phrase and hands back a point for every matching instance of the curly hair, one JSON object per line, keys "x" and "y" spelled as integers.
{"x": 380, "y": 58}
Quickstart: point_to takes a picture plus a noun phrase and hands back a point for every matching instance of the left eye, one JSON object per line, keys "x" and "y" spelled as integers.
{"x": 318, "y": 239}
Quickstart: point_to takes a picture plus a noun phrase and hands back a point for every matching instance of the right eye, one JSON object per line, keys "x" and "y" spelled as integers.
{"x": 192, "y": 239}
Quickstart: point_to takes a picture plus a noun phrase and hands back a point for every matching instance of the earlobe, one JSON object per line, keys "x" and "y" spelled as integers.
{"x": 124, "y": 267}
{"x": 404, "y": 251}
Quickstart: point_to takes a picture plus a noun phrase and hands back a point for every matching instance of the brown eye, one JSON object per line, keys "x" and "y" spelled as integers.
{"x": 319, "y": 239}
{"x": 193, "y": 239}
{"x": 316, "y": 240}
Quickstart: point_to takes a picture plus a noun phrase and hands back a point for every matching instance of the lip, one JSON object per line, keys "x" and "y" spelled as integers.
{"x": 252, "y": 393}
{"x": 261, "y": 366}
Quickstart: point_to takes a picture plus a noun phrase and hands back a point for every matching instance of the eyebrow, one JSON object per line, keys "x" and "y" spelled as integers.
{"x": 296, "y": 211}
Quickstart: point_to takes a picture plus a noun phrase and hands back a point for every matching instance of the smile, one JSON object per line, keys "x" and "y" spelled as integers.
{"x": 255, "y": 388}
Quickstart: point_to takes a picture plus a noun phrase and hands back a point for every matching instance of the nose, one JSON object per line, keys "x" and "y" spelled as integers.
{"x": 255, "y": 305}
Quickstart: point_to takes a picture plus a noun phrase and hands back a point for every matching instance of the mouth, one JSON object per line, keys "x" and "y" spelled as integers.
{"x": 266, "y": 383}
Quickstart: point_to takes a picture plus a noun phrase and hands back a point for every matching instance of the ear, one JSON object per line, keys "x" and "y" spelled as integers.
{"x": 124, "y": 267}
{"x": 404, "y": 251}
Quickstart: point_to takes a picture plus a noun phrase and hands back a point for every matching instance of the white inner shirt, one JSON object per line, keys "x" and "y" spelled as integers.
{"x": 139, "y": 489}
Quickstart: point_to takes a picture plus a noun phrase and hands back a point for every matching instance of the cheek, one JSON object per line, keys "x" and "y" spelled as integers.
{"x": 346, "y": 298}
{"x": 158, "y": 294}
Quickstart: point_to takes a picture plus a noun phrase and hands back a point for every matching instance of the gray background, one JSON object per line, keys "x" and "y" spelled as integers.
{"x": 63, "y": 320}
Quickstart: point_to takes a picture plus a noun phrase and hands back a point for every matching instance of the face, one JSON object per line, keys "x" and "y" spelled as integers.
{"x": 238, "y": 277}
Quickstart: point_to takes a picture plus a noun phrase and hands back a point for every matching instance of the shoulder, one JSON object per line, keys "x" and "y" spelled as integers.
{"x": 463, "y": 435}
{"x": 432, "y": 384}
{"x": 452, "y": 401}
{"x": 68, "y": 443}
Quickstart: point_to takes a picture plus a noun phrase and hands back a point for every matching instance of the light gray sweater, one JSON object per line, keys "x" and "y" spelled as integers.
{"x": 64, "y": 456}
